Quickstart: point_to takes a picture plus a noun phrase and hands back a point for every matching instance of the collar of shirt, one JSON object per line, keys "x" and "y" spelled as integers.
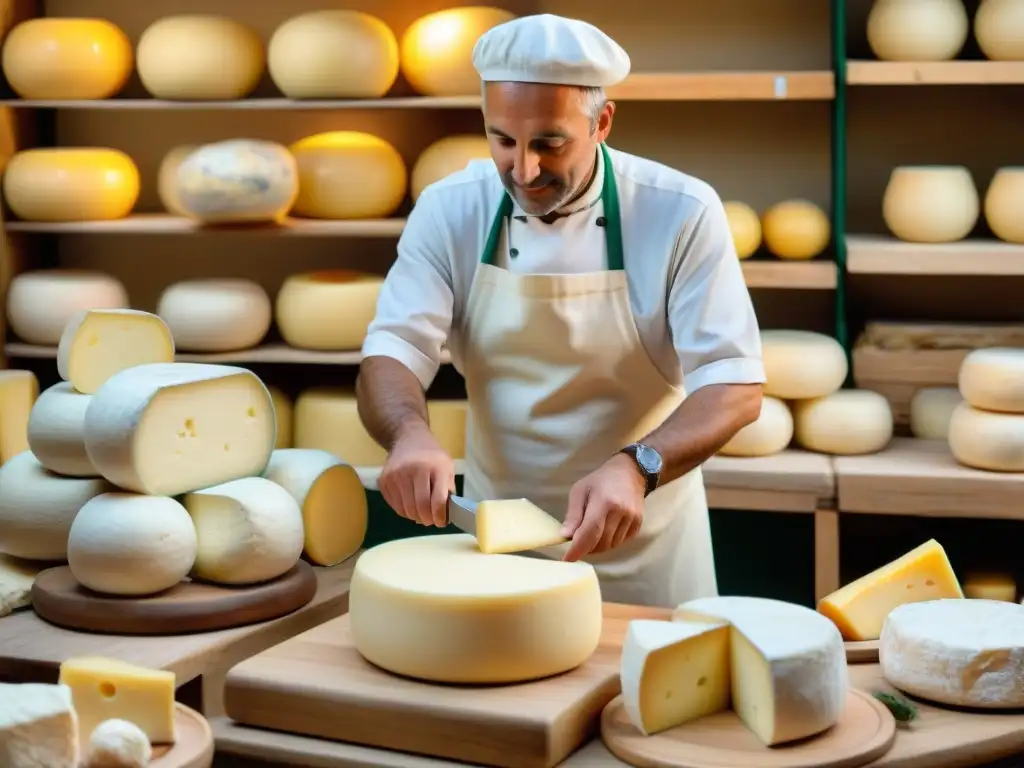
{"x": 587, "y": 201}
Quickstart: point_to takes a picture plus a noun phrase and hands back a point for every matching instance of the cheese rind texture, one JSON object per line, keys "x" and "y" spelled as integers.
{"x": 170, "y": 428}
{"x": 846, "y": 423}
{"x": 118, "y": 744}
{"x": 216, "y": 315}
{"x": 515, "y": 525}
{"x": 993, "y": 379}
{"x": 769, "y": 434}
{"x": 964, "y": 653}
{"x": 18, "y": 393}
{"x": 38, "y": 726}
{"x": 801, "y": 364}
{"x": 56, "y": 431}
{"x": 438, "y": 609}
{"x": 987, "y": 440}
{"x": 41, "y": 302}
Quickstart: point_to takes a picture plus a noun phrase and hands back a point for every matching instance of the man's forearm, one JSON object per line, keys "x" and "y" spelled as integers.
{"x": 390, "y": 399}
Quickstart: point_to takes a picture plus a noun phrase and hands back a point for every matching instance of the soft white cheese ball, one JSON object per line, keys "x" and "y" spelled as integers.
{"x": 118, "y": 744}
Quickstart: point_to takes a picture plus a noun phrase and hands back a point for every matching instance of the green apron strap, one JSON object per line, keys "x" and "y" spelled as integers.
{"x": 491, "y": 247}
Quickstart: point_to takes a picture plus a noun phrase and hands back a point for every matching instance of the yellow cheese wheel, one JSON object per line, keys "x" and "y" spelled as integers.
{"x": 796, "y": 229}
{"x": 333, "y": 55}
{"x": 348, "y": 175}
{"x": 987, "y": 440}
{"x": 999, "y": 29}
{"x": 445, "y": 157}
{"x": 41, "y": 302}
{"x": 745, "y": 226}
{"x": 201, "y": 57}
{"x": 54, "y": 58}
{"x": 1004, "y": 204}
{"x": 328, "y": 310}
{"x": 846, "y": 423}
{"x": 71, "y": 184}
{"x": 167, "y": 178}
{"x": 931, "y": 203}
{"x": 437, "y": 50}
{"x": 917, "y": 30}
{"x": 802, "y": 364}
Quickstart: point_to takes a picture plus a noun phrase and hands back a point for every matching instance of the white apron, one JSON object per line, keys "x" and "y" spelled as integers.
{"x": 558, "y": 382}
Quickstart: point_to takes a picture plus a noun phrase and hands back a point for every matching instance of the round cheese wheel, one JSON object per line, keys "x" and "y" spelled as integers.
{"x": 239, "y": 180}
{"x": 999, "y": 29}
{"x": 802, "y": 364}
{"x": 745, "y": 226}
{"x": 771, "y": 433}
{"x": 56, "y": 431}
{"x": 216, "y": 314}
{"x": 38, "y": 507}
{"x": 1004, "y": 200}
{"x": 437, "y": 50}
{"x": 930, "y": 411}
{"x": 333, "y": 55}
{"x": 917, "y": 30}
{"x": 796, "y": 229}
{"x": 987, "y": 440}
{"x": 132, "y": 545}
{"x": 931, "y": 203}
{"x": 283, "y": 412}
{"x": 846, "y": 423}
{"x": 201, "y": 57}
{"x": 167, "y": 178}
{"x": 118, "y": 743}
{"x": 67, "y": 58}
{"x": 348, "y": 175}
{"x": 993, "y": 379}
{"x": 990, "y": 586}
{"x": 40, "y": 303}
{"x": 445, "y": 157}
{"x": 330, "y": 309}
{"x": 327, "y": 418}
{"x": 439, "y": 609}
{"x": 71, "y": 184}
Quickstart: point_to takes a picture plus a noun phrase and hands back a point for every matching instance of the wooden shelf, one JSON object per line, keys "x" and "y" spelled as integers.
{"x": 876, "y": 255}
{"x": 935, "y": 72}
{"x": 790, "y": 481}
{"x": 269, "y": 104}
{"x": 818, "y": 274}
{"x": 166, "y": 224}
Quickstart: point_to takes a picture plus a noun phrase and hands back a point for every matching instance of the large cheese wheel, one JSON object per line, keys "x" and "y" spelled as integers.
{"x": 1004, "y": 200}
{"x": 348, "y": 175}
{"x": 283, "y": 413}
{"x": 437, "y": 50}
{"x": 802, "y": 364}
{"x": 445, "y": 157}
{"x": 239, "y": 180}
{"x": 439, "y": 609}
{"x": 931, "y": 204}
{"x": 18, "y": 392}
{"x": 167, "y": 178}
{"x": 745, "y": 227}
{"x": 37, "y": 508}
{"x": 845, "y": 423}
{"x": 216, "y": 314}
{"x": 56, "y": 431}
{"x": 917, "y": 30}
{"x": 993, "y": 379}
{"x": 330, "y": 309}
{"x": 987, "y": 440}
{"x": 796, "y": 229}
{"x": 57, "y": 59}
{"x": 71, "y": 184}
{"x": 770, "y": 434}
{"x": 199, "y": 56}
{"x": 129, "y": 544}
{"x": 930, "y": 411}
{"x": 40, "y": 303}
{"x": 333, "y": 55}
{"x": 999, "y": 29}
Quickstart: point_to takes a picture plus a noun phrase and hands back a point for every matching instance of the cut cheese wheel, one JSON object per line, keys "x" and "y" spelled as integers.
{"x": 745, "y": 227}
{"x": 171, "y": 428}
{"x": 119, "y": 744}
{"x": 964, "y": 653}
{"x": 771, "y": 433}
{"x": 993, "y": 379}
{"x": 439, "y": 609}
{"x": 16, "y": 579}
{"x": 846, "y": 423}
{"x": 930, "y": 411}
{"x": 327, "y": 418}
{"x": 931, "y": 204}
{"x": 1004, "y": 197}
{"x": 38, "y": 507}
{"x": 859, "y": 609}
{"x": 788, "y": 675}
{"x": 999, "y": 30}
{"x": 249, "y": 530}
{"x": 917, "y": 30}
{"x": 334, "y": 508}
{"x": 56, "y": 431}
{"x": 97, "y": 343}
{"x": 167, "y": 178}
{"x": 40, "y": 303}
{"x": 990, "y": 586}
{"x": 445, "y": 157}
{"x": 986, "y": 440}
{"x": 38, "y": 726}
{"x": 129, "y": 544}
{"x": 796, "y": 229}
{"x": 327, "y": 310}
{"x": 283, "y": 413}
{"x": 18, "y": 393}
{"x": 515, "y": 525}
{"x": 802, "y": 364}
{"x": 216, "y": 315}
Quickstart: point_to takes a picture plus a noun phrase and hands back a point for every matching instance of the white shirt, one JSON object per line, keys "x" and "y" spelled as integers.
{"x": 689, "y": 300}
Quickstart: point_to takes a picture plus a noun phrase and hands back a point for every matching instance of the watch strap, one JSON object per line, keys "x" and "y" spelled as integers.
{"x": 650, "y": 478}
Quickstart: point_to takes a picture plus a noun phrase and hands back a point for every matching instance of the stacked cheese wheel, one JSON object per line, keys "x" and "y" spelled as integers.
{"x": 986, "y": 430}
{"x": 791, "y": 229}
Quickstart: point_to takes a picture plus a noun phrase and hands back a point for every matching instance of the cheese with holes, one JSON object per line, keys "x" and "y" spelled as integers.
{"x": 515, "y": 525}
{"x": 931, "y": 203}
{"x": 216, "y": 315}
{"x": 964, "y": 653}
{"x": 987, "y": 440}
{"x": 38, "y": 726}
{"x": 56, "y": 431}
{"x": 439, "y": 609}
{"x": 796, "y": 229}
{"x": 118, "y": 744}
{"x": 327, "y": 310}
{"x": 248, "y": 530}
{"x": 283, "y": 413}
{"x": 846, "y": 423}
{"x": 802, "y": 364}
{"x": 40, "y": 303}
{"x": 930, "y": 411}
{"x": 18, "y": 393}
{"x": 745, "y": 228}
{"x": 990, "y": 586}
{"x": 334, "y": 510}
{"x": 108, "y": 689}
{"x": 771, "y": 433}
{"x": 993, "y": 379}
{"x": 445, "y": 157}
{"x": 16, "y": 580}
{"x": 788, "y": 675}
{"x": 171, "y": 428}
{"x": 859, "y": 609}
{"x": 38, "y": 507}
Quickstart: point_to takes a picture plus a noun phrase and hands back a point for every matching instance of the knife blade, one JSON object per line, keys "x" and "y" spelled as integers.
{"x": 462, "y": 513}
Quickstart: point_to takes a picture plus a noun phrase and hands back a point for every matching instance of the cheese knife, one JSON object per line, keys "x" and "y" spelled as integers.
{"x": 462, "y": 513}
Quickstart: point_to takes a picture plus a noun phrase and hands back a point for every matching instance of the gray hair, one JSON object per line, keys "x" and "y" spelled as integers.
{"x": 592, "y": 99}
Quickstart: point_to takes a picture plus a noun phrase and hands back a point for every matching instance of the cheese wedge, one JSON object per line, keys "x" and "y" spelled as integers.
{"x": 515, "y": 525}
{"x": 38, "y": 727}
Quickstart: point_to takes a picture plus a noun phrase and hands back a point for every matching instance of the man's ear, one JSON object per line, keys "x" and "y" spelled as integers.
{"x": 604, "y": 121}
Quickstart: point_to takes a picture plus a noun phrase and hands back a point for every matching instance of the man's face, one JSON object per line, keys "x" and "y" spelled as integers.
{"x": 543, "y": 141}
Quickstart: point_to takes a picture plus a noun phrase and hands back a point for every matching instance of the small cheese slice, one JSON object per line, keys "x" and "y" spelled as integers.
{"x": 515, "y": 525}
{"x": 964, "y": 653}
{"x": 859, "y": 609}
{"x": 16, "y": 580}
{"x": 18, "y": 391}
{"x": 674, "y": 672}
{"x": 118, "y": 744}
{"x": 109, "y": 689}
{"x": 990, "y": 586}
{"x": 56, "y": 431}
{"x": 38, "y": 726}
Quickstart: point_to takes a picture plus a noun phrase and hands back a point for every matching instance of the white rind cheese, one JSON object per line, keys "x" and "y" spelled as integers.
{"x": 987, "y": 440}
{"x": 846, "y": 423}
{"x": 802, "y": 364}
{"x": 56, "y": 431}
{"x": 993, "y": 379}
{"x": 771, "y": 433}
{"x": 41, "y": 302}
{"x": 964, "y": 653}
{"x": 38, "y": 726}
{"x": 216, "y": 315}
{"x": 118, "y": 744}
{"x": 930, "y": 411}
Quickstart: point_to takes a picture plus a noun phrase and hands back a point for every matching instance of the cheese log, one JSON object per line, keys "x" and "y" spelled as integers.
{"x": 18, "y": 391}
{"x": 515, "y": 525}
{"x": 990, "y": 586}
{"x": 859, "y": 609}
{"x": 788, "y": 665}
{"x": 170, "y": 428}
{"x": 335, "y": 513}
{"x": 56, "y": 431}
{"x": 16, "y": 580}
{"x": 38, "y": 726}
{"x": 439, "y": 609}
{"x": 248, "y": 531}
{"x": 964, "y": 653}
{"x": 118, "y": 744}
{"x": 674, "y": 672}
{"x": 108, "y": 689}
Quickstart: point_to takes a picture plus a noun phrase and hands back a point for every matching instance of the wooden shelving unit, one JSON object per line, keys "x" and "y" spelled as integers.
{"x": 935, "y": 73}
{"x": 880, "y": 255}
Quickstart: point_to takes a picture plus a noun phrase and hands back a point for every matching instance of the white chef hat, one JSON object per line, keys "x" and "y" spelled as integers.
{"x": 550, "y": 49}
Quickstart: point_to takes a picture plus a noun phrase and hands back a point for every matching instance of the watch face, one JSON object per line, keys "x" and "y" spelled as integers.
{"x": 648, "y": 458}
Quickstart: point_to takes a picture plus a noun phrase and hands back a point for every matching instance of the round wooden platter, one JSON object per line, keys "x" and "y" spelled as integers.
{"x": 862, "y": 652}
{"x": 193, "y": 747}
{"x": 190, "y": 606}
{"x": 865, "y": 732}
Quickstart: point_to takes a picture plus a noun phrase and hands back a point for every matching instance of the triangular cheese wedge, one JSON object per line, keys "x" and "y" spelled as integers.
{"x": 515, "y": 525}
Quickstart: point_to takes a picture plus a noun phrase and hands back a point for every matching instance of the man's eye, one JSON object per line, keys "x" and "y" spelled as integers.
{"x": 506, "y": 142}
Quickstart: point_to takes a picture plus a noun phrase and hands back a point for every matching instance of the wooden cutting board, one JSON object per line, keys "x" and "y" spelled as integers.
{"x": 861, "y": 651}
{"x": 317, "y": 684}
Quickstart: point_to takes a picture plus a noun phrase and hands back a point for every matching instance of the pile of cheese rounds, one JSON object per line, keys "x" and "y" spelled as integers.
{"x": 986, "y": 429}
{"x": 791, "y": 229}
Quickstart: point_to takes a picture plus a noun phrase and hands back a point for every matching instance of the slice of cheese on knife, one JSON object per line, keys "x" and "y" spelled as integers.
{"x": 515, "y": 525}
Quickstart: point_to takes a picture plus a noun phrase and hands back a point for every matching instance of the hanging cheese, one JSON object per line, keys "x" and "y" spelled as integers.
{"x": 327, "y": 418}
{"x": 327, "y": 310}
{"x": 1004, "y": 198}
{"x": 41, "y": 302}
{"x": 745, "y": 228}
{"x": 18, "y": 393}
{"x": 917, "y": 30}
{"x": 16, "y": 580}
{"x": 849, "y": 422}
{"x": 445, "y": 157}
{"x": 216, "y": 314}
{"x": 999, "y": 30}
{"x": 931, "y": 203}
{"x": 515, "y": 525}
{"x": 986, "y": 440}
{"x": 993, "y": 379}
{"x": 796, "y": 229}
{"x": 283, "y": 413}
{"x": 802, "y": 364}
{"x": 990, "y": 586}
{"x": 167, "y": 178}
{"x": 38, "y": 726}
{"x": 118, "y": 744}
{"x": 930, "y": 411}
{"x": 56, "y": 431}
{"x": 771, "y": 433}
